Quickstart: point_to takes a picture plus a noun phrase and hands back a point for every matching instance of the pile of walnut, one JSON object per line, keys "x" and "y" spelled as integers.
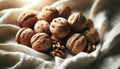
{"x": 55, "y": 30}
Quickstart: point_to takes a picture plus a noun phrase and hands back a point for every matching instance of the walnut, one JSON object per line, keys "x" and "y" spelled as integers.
{"x": 57, "y": 49}
{"x": 76, "y": 43}
{"x": 92, "y": 36}
{"x": 27, "y": 19}
{"x": 90, "y": 48}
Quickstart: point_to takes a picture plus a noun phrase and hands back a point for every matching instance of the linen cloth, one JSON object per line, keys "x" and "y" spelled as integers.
{"x": 105, "y": 15}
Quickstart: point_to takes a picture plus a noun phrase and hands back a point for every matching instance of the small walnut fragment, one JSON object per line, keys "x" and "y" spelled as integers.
{"x": 57, "y": 49}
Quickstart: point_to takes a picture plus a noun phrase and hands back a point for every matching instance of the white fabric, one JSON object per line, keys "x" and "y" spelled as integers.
{"x": 104, "y": 13}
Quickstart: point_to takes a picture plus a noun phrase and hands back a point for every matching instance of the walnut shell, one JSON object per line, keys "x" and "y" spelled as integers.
{"x": 64, "y": 10}
{"x": 92, "y": 36}
{"x": 77, "y": 21}
{"x": 60, "y": 27}
{"x": 24, "y": 35}
{"x": 42, "y": 26}
{"x": 27, "y": 19}
{"x": 41, "y": 42}
{"x": 76, "y": 43}
{"x": 48, "y": 13}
